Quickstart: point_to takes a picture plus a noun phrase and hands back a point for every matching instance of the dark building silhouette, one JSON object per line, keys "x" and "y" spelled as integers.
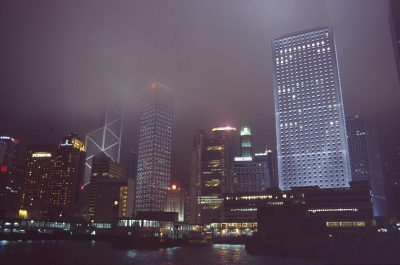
{"x": 365, "y": 159}
{"x": 11, "y": 184}
{"x": 103, "y": 167}
{"x": 8, "y": 151}
{"x": 394, "y": 23}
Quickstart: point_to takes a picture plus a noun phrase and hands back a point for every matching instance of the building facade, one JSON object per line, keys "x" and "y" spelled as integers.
{"x": 365, "y": 159}
{"x": 211, "y": 163}
{"x": 108, "y": 190}
{"x": 54, "y": 178}
{"x": 103, "y": 167}
{"x": 11, "y": 185}
{"x": 155, "y": 142}
{"x": 310, "y": 125}
{"x": 106, "y": 139}
{"x": 250, "y": 175}
{"x": 8, "y": 151}
{"x": 246, "y": 141}
{"x": 176, "y": 202}
{"x": 394, "y": 23}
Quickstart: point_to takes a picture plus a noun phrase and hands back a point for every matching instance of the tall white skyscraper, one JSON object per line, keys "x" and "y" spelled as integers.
{"x": 310, "y": 125}
{"x": 155, "y": 142}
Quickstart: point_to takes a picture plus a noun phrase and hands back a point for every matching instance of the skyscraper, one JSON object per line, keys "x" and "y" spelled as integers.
{"x": 103, "y": 167}
{"x": 246, "y": 148}
{"x": 54, "y": 177}
{"x": 211, "y": 164}
{"x": 365, "y": 159}
{"x": 155, "y": 142}
{"x": 394, "y": 23}
{"x": 40, "y": 171}
{"x": 106, "y": 139}
{"x": 310, "y": 126}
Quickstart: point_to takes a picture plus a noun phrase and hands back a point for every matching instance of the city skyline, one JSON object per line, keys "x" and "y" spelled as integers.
{"x": 56, "y": 72}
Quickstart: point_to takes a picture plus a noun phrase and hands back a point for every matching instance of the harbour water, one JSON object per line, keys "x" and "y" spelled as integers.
{"x": 91, "y": 252}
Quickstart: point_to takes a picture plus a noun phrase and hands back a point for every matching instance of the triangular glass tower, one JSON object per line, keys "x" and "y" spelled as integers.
{"x": 106, "y": 139}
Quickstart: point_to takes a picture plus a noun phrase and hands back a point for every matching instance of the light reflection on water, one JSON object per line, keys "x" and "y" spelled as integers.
{"x": 81, "y": 252}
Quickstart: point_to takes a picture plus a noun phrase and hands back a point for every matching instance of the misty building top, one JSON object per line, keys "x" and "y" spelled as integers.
{"x": 301, "y": 32}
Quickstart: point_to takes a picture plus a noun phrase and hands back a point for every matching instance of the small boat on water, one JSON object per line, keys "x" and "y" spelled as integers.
{"x": 199, "y": 238}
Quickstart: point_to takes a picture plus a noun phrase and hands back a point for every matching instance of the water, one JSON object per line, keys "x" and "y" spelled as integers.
{"x": 82, "y": 252}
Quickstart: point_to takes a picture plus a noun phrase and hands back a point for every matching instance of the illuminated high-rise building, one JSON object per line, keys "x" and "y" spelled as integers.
{"x": 69, "y": 180}
{"x": 210, "y": 173}
{"x": 40, "y": 171}
{"x": 106, "y": 139}
{"x": 365, "y": 159}
{"x": 246, "y": 148}
{"x": 54, "y": 177}
{"x": 11, "y": 185}
{"x": 310, "y": 125}
{"x": 155, "y": 142}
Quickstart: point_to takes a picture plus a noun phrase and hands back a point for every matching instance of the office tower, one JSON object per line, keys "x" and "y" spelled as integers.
{"x": 70, "y": 179}
{"x": 40, "y": 171}
{"x": 246, "y": 148}
{"x": 108, "y": 190}
{"x": 11, "y": 184}
{"x": 394, "y": 183}
{"x": 210, "y": 170}
{"x": 250, "y": 175}
{"x": 394, "y": 166}
{"x": 132, "y": 165}
{"x": 310, "y": 126}
{"x": 175, "y": 202}
{"x": 103, "y": 167}
{"x": 273, "y": 167}
{"x": 394, "y": 23}
{"x": 365, "y": 159}
{"x": 155, "y": 141}
{"x": 8, "y": 151}
{"x": 106, "y": 139}
{"x": 54, "y": 177}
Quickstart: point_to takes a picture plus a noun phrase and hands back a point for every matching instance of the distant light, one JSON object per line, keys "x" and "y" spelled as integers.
{"x": 4, "y": 169}
{"x": 174, "y": 187}
{"x": 224, "y": 129}
{"x": 82, "y": 187}
{"x": 115, "y": 202}
{"x": 153, "y": 86}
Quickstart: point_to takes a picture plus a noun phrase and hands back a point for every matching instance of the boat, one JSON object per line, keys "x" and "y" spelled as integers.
{"x": 199, "y": 238}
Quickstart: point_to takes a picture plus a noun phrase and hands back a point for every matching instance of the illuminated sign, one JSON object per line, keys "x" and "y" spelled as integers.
{"x": 245, "y": 131}
{"x": 224, "y": 129}
{"x": 41, "y": 154}
{"x": 66, "y": 143}
{"x": 7, "y": 138}
{"x": 4, "y": 169}
{"x": 249, "y": 158}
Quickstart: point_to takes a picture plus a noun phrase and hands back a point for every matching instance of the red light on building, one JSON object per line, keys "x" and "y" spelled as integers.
{"x": 16, "y": 141}
{"x": 153, "y": 86}
{"x": 174, "y": 187}
{"x": 4, "y": 169}
{"x": 82, "y": 187}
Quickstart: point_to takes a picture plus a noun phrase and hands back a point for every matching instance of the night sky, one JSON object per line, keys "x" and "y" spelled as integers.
{"x": 59, "y": 60}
